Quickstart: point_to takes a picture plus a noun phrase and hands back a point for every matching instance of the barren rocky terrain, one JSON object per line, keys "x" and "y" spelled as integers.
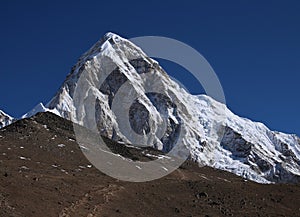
{"x": 44, "y": 173}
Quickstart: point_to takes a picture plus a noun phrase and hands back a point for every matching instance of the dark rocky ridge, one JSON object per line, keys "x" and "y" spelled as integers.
{"x": 40, "y": 178}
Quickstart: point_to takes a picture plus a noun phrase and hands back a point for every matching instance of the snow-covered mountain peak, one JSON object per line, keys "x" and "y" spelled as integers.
{"x": 213, "y": 134}
{"x": 113, "y": 36}
{"x": 105, "y": 46}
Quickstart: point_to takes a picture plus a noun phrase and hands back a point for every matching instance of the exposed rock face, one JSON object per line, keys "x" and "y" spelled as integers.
{"x": 5, "y": 119}
{"x": 162, "y": 114}
{"x": 273, "y": 163}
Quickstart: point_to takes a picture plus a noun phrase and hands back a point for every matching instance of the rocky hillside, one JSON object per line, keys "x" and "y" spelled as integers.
{"x": 43, "y": 172}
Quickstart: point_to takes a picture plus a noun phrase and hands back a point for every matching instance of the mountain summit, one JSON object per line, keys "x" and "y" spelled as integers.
{"x": 161, "y": 114}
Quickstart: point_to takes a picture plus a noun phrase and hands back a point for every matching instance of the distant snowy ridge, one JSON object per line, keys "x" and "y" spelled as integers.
{"x": 5, "y": 119}
{"x": 248, "y": 148}
{"x": 39, "y": 108}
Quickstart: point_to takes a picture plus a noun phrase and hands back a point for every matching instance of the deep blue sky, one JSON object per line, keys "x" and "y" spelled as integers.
{"x": 253, "y": 46}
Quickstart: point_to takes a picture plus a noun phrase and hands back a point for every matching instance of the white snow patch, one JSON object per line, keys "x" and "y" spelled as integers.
{"x": 24, "y": 168}
{"x": 84, "y": 148}
{"x": 164, "y": 168}
{"x": 61, "y": 145}
{"x": 138, "y": 167}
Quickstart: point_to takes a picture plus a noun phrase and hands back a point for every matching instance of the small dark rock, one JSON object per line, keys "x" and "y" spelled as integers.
{"x": 201, "y": 195}
{"x": 177, "y": 210}
{"x": 213, "y": 203}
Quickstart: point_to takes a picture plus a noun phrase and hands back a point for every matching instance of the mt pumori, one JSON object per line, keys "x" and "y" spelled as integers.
{"x": 163, "y": 114}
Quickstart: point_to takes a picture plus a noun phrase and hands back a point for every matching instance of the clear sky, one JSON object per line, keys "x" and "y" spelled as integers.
{"x": 253, "y": 46}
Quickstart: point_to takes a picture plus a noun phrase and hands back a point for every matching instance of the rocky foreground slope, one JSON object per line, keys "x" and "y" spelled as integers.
{"x": 44, "y": 173}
